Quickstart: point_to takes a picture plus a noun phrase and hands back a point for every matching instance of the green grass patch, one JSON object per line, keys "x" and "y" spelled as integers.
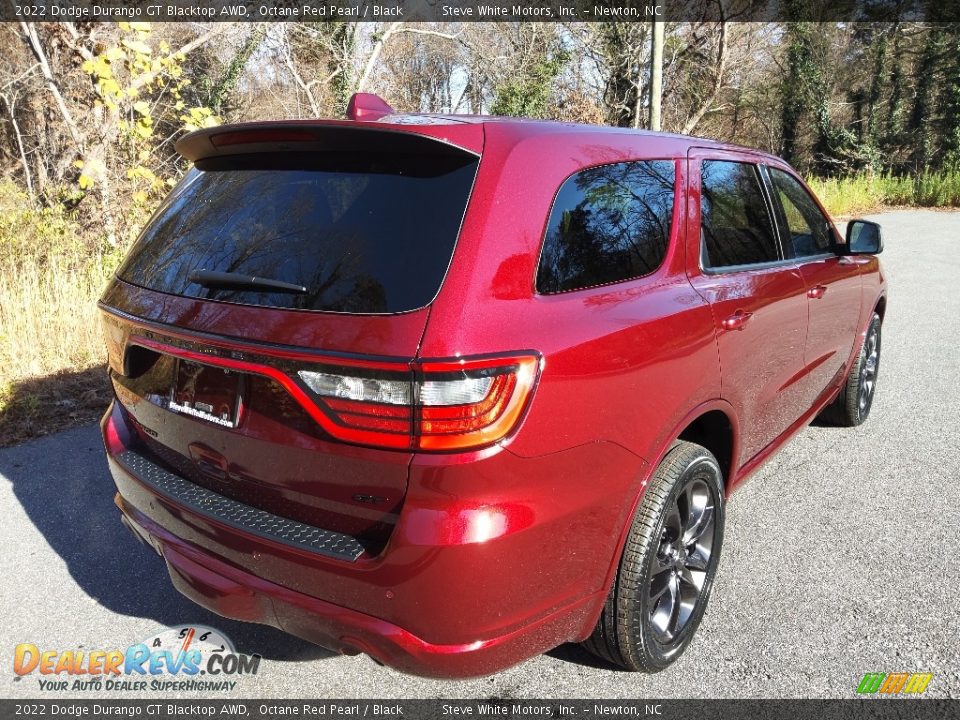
{"x": 865, "y": 193}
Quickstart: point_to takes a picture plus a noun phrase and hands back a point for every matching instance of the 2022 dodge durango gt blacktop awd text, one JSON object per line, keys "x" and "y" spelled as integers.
{"x": 452, "y": 391}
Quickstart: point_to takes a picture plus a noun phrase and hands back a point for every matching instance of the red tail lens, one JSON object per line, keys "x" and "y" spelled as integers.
{"x": 446, "y": 405}
{"x": 494, "y": 393}
{"x": 369, "y": 416}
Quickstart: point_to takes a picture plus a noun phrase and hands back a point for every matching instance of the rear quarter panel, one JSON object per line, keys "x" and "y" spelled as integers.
{"x": 622, "y": 361}
{"x": 624, "y": 364}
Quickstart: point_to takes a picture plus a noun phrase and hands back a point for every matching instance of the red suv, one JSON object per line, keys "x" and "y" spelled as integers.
{"x": 452, "y": 391}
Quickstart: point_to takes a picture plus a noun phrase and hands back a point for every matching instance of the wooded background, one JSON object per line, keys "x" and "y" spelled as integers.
{"x": 90, "y": 112}
{"x": 84, "y": 104}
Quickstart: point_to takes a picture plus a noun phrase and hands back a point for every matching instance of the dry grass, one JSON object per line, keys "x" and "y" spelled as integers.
{"x": 51, "y": 351}
{"x": 48, "y": 318}
{"x": 51, "y": 348}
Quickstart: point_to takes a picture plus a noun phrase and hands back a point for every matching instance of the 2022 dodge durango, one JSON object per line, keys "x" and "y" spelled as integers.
{"x": 451, "y": 391}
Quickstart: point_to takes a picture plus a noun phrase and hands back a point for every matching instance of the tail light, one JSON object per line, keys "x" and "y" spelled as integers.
{"x": 431, "y": 405}
{"x": 439, "y": 406}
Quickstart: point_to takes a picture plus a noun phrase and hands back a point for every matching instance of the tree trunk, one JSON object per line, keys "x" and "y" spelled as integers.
{"x": 794, "y": 90}
{"x": 895, "y": 107}
{"x": 921, "y": 119}
{"x": 656, "y": 76}
{"x": 33, "y": 41}
{"x": 951, "y": 126}
{"x": 694, "y": 120}
{"x": 881, "y": 45}
{"x": 11, "y": 107}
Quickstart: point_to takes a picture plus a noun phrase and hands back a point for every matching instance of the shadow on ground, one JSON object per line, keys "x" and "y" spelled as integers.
{"x": 577, "y": 655}
{"x": 63, "y": 485}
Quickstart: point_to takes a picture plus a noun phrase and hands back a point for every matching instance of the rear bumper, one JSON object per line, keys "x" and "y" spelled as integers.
{"x": 236, "y": 594}
{"x": 469, "y": 583}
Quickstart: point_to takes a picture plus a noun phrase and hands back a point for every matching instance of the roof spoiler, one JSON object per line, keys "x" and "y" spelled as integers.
{"x": 367, "y": 106}
{"x": 334, "y": 135}
{"x": 329, "y": 136}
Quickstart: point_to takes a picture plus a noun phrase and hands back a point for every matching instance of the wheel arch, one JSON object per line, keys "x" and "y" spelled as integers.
{"x": 714, "y": 430}
{"x": 880, "y": 308}
{"x": 713, "y": 421}
{"x": 712, "y": 424}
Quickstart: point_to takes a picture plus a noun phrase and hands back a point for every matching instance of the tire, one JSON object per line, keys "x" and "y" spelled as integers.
{"x": 644, "y": 625}
{"x": 852, "y": 406}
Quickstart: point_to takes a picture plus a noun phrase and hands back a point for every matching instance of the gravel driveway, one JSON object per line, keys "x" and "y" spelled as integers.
{"x": 840, "y": 555}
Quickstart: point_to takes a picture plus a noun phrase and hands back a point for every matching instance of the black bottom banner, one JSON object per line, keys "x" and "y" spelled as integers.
{"x": 494, "y": 708}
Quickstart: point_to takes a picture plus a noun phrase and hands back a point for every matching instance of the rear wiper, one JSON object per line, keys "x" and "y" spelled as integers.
{"x": 215, "y": 279}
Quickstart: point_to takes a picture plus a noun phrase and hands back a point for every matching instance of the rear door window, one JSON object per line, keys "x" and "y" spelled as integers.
{"x": 361, "y": 234}
{"x": 608, "y": 224}
{"x": 735, "y": 219}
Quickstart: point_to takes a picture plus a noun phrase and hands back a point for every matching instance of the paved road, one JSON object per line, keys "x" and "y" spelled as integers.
{"x": 841, "y": 555}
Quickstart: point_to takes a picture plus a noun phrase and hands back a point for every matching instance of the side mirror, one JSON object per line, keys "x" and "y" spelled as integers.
{"x": 863, "y": 238}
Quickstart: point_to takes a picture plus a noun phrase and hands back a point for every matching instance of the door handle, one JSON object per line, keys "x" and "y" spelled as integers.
{"x": 736, "y": 321}
{"x": 817, "y": 292}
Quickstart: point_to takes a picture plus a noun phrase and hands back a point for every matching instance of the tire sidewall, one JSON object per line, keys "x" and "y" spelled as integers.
{"x": 703, "y": 467}
{"x": 862, "y": 415}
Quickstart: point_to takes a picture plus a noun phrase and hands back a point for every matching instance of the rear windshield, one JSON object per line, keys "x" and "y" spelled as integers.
{"x": 360, "y": 234}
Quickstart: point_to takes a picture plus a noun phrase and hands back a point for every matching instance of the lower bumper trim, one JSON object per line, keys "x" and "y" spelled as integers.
{"x": 237, "y": 514}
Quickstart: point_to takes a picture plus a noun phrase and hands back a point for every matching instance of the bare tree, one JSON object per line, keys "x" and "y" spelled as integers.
{"x": 33, "y": 40}
{"x": 380, "y": 39}
{"x": 10, "y": 94}
{"x": 710, "y": 98}
{"x": 617, "y": 56}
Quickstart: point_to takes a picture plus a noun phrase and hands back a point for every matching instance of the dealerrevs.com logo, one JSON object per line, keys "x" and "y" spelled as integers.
{"x": 192, "y": 657}
{"x": 894, "y": 683}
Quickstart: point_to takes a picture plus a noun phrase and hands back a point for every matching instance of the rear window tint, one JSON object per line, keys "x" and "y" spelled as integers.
{"x": 608, "y": 224}
{"x": 361, "y": 234}
{"x": 737, "y": 229}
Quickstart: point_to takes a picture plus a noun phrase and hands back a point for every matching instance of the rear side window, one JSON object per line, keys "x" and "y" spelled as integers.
{"x": 809, "y": 229}
{"x": 608, "y": 224}
{"x": 361, "y": 234}
{"x": 736, "y": 224}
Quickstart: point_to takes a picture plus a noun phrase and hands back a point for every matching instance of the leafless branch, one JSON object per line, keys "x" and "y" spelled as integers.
{"x": 30, "y": 33}
{"x": 719, "y": 67}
